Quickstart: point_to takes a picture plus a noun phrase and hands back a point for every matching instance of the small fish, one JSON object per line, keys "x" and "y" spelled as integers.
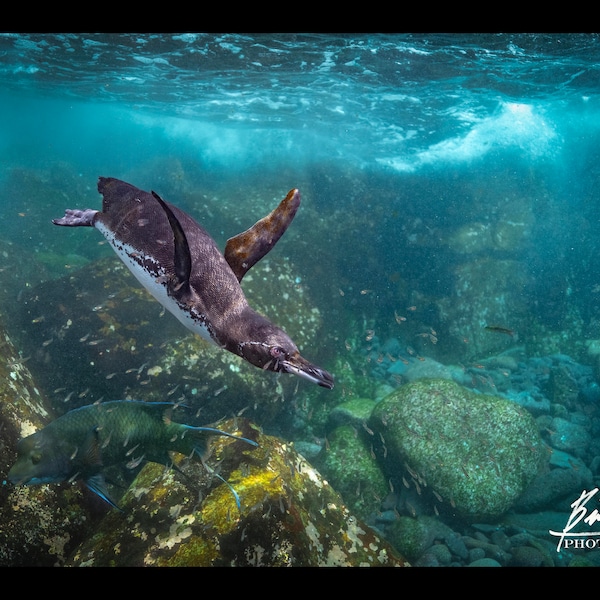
{"x": 84, "y": 441}
{"x": 499, "y": 329}
{"x": 399, "y": 318}
{"x": 172, "y": 390}
{"x": 135, "y": 462}
{"x": 68, "y": 396}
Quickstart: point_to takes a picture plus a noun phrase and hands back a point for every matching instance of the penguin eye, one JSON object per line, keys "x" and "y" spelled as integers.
{"x": 36, "y": 457}
{"x": 278, "y": 352}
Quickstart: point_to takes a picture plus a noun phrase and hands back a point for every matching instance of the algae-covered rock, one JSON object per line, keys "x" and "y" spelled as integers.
{"x": 288, "y": 515}
{"x": 477, "y": 452}
{"x": 38, "y": 525}
{"x": 471, "y": 238}
{"x": 412, "y": 537}
{"x": 355, "y": 412}
{"x": 350, "y": 465}
{"x": 97, "y": 334}
{"x": 486, "y": 291}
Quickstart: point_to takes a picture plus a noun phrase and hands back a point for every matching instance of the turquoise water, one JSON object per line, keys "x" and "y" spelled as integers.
{"x": 449, "y": 183}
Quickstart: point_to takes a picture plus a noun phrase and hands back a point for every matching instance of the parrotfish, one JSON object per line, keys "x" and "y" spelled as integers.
{"x": 179, "y": 263}
{"x": 83, "y": 442}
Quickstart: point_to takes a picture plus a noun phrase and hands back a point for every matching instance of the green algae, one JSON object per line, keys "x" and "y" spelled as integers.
{"x": 288, "y": 515}
{"x": 477, "y": 452}
{"x": 39, "y": 525}
{"x": 352, "y": 469}
{"x": 196, "y": 552}
{"x": 355, "y": 411}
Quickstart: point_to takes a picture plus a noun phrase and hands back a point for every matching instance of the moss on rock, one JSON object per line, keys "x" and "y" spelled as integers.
{"x": 477, "y": 452}
{"x": 352, "y": 469}
{"x": 104, "y": 336}
{"x": 288, "y": 515}
{"x": 39, "y": 525}
{"x": 354, "y": 412}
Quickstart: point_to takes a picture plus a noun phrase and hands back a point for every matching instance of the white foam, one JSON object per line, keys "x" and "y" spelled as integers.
{"x": 515, "y": 125}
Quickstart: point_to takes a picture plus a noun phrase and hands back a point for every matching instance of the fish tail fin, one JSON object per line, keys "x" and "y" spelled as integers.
{"x": 235, "y": 494}
{"x": 201, "y": 437}
{"x": 97, "y": 484}
{"x": 203, "y": 434}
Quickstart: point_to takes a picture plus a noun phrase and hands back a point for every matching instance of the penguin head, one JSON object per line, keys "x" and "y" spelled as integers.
{"x": 277, "y": 352}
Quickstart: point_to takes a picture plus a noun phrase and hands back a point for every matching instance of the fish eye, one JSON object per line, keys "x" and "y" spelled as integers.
{"x": 36, "y": 457}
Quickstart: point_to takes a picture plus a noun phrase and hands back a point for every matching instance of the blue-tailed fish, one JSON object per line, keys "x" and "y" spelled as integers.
{"x": 83, "y": 442}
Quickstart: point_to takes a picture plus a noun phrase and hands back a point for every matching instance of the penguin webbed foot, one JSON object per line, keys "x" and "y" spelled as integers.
{"x": 75, "y": 217}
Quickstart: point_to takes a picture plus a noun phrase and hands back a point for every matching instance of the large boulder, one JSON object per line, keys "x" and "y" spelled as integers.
{"x": 349, "y": 464}
{"x": 96, "y": 334}
{"x": 39, "y": 525}
{"x": 486, "y": 291}
{"x": 478, "y": 453}
{"x": 288, "y": 515}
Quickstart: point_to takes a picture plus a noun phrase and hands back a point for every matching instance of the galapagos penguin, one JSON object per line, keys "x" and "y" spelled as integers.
{"x": 179, "y": 263}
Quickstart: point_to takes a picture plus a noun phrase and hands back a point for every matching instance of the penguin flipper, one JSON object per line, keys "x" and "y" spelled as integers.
{"x": 245, "y": 249}
{"x": 183, "y": 257}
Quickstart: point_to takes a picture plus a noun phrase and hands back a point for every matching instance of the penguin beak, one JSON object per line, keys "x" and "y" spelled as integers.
{"x": 299, "y": 366}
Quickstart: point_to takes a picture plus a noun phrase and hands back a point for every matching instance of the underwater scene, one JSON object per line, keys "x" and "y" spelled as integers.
{"x": 342, "y": 307}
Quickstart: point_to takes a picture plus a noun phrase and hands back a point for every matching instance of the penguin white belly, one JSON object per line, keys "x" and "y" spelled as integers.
{"x": 156, "y": 284}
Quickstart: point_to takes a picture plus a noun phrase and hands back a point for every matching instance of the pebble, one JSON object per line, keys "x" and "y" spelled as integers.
{"x": 457, "y": 546}
{"x": 501, "y": 540}
{"x": 491, "y": 550}
{"x": 569, "y": 436}
{"x": 485, "y": 562}
{"x": 441, "y": 553}
{"x": 427, "y": 560}
{"x": 476, "y": 554}
{"x": 526, "y": 556}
